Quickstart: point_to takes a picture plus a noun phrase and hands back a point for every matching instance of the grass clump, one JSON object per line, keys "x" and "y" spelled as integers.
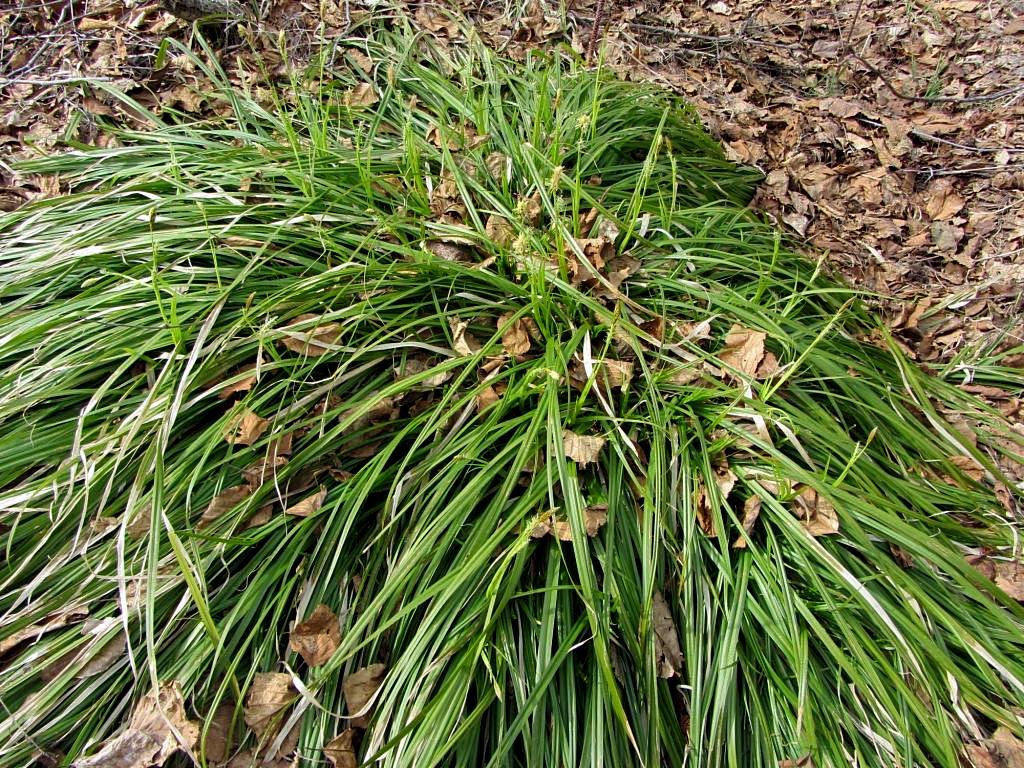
{"x": 458, "y": 413}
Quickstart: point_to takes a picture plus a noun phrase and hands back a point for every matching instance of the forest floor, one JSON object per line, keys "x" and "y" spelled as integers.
{"x": 890, "y": 134}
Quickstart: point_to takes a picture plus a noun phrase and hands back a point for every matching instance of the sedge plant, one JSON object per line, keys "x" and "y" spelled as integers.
{"x": 487, "y": 366}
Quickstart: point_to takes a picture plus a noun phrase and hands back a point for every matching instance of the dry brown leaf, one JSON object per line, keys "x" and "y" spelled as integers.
{"x": 150, "y": 737}
{"x": 618, "y": 373}
{"x": 943, "y": 201}
{"x": 531, "y": 209}
{"x": 498, "y": 166}
{"x": 269, "y": 694}
{"x": 243, "y": 384}
{"x": 1003, "y": 750}
{"x": 315, "y": 341}
{"x": 317, "y": 638}
{"x": 751, "y": 511}
{"x": 262, "y": 471}
{"x": 223, "y": 502}
{"x": 744, "y": 350}
{"x": 50, "y": 623}
{"x": 414, "y": 366}
{"x": 340, "y": 750}
{"x": 1009, "y": 577}
{"x": 359, "y": 689}
{"x": 593, "y": 518}
{"x": 218, "y": 737}
{"x": 463, "y": 341}
{"x": 969, "y": 466}
{"x": 362, "y": 95}
{"x": 487, "y": 397}
{"x": 245, "y": 428}
{"x": 668, "y": 654}
{"x": 103, "y": 653}
{"x": 499, "y": 230}
{"x": 309, "y": 505}
{"x": 583, "y": 449}
{"x": 816, "y": 513}
{"x": 516, "y": 338}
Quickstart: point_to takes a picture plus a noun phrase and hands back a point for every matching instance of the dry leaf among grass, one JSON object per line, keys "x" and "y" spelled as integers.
{"x": 315, "y": 341}
{"x": 751, "y": 511}
{"x": 243, "y": 384}
{"x": 317, "y": 638}
{"x": 359, "y": 689}
{"x": 270, "y": 693}
{"x": 666, "y": 639}
{"x": 309, "y": 505}
{"x": 150, "y": 738}
{"x": 583, "y": 449}
{"x": 1002, "y": 750}
{"x": 362, "y": 95}
{"x": 743, "y": 351}
{"x": 245, "y": 428}
{"x": 593, "y": 518}
{"x": 516, "y": 339}
{"x": 815, "y": 512}
{"x": 223, "y": 502}
{"x": 263, "y": 471}
{"x": 340, "y": 750}
{"x": 463, "y": 342}
{"x": 219, "y": 734}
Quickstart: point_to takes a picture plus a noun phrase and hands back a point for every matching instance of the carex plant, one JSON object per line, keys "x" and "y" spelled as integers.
{"x": 487, "y": 365}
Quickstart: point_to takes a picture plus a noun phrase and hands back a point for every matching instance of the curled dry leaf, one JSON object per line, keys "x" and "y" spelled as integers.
{"x": 668, "y": 654}
{"x": 48, "y": 624}
{"x": 499, "y": 230}
{"x": 751, "y": 511}
{"x": 223, "y": 502}
{"x": 308, "y": 505}
{"x": 1003, "y": 750}
{"x": 269, "y": 694}
{"x": 531, "y": 209}
{"x": 362, "y": 95}
{"x": 153, "y": 733}
{"x": 245, "y": 428}
{"x": 317, "y": 638}
{"x": 743, "y": 351}
{"x": 243, "y": 384}
{"x": 218, "y": 737}
{"x": 499, "y": 166}
{"x": 315, "y": 341}
{"x": 463, "y": 341}
{"x": 593, "y": 518}
{"x": 516, "y": 338}
{"x": 359, "y": 688}
{"x": 583, "y": 449}
{"x": 341, "y": 751}
{"x": 263, "y": 471}
{"x": 414, "y": 366}
{"x": 816, "y": 513}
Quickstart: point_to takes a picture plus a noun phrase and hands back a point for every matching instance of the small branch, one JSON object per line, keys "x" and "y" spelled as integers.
{"x": 54, "y": 81}
{"x": 918, "y": 133}
{"x": 936, "y": 99}
{"x": 980, "y": 170}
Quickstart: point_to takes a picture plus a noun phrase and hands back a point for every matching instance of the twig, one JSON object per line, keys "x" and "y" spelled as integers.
{"x": 717, "y": 39}
{"x": 980, "y": 170}
{"x": 936, "y": 99}
{"x": 918, "y": 133}
{"x": 53, "y": 81}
